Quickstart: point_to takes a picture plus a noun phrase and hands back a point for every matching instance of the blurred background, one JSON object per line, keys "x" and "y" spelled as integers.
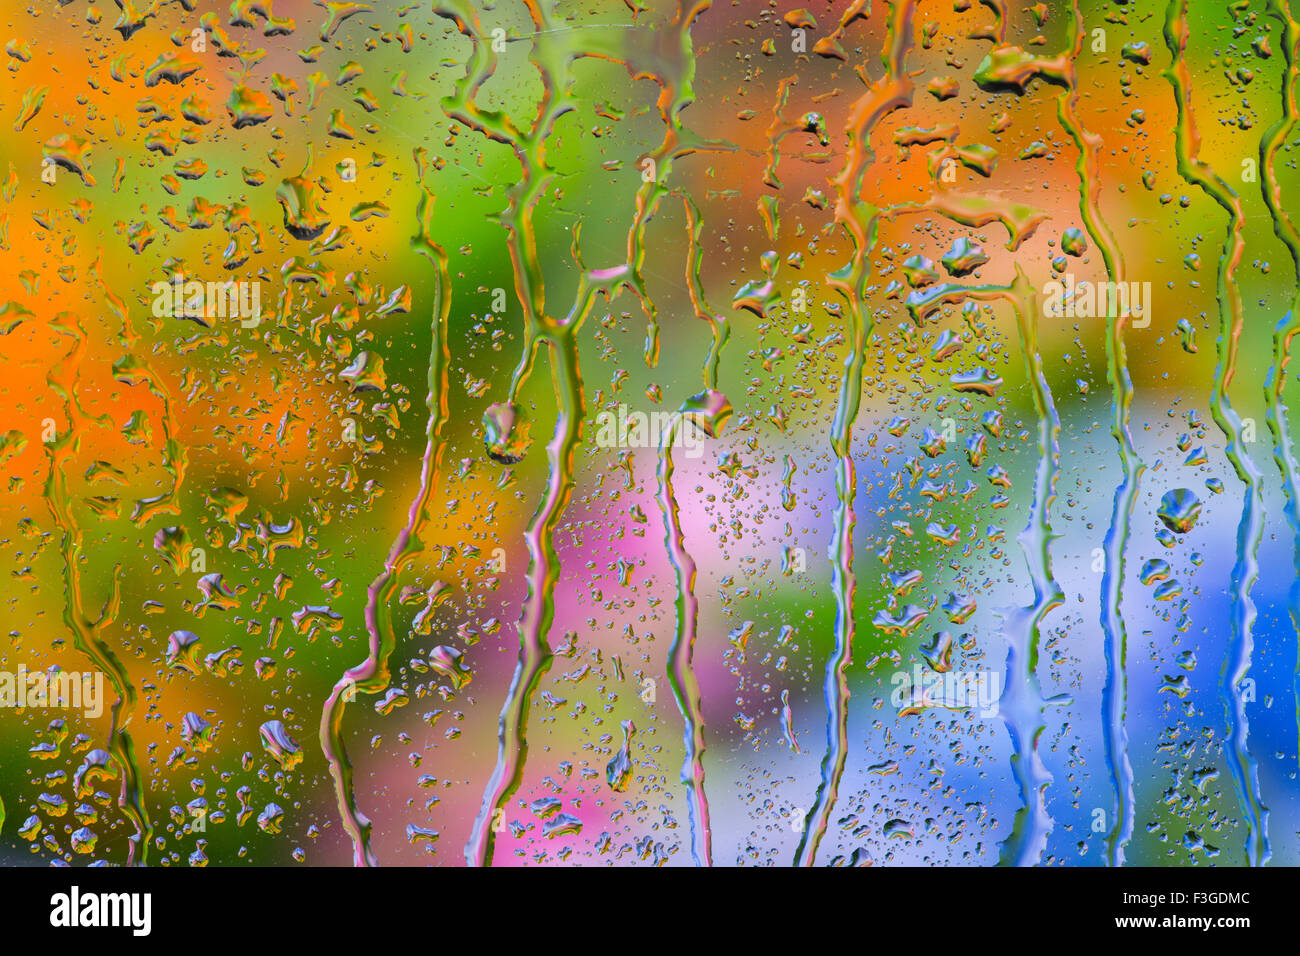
{"x": 305, "y": 547}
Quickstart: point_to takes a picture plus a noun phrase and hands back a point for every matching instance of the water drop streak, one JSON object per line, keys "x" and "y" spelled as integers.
{"x": 1115, "y": 692}
{"x": 85, "y": 632}
{"x": 1022, "y": 702}
{"x": 681, "y": 673}
{"x": 1276, "y": 415}
{"x": 1250, "y": 531}
{"x": 861, "y": 220}
{"x": 539, "y": 604}
{"x": 372, "y": 675}
{"x": 1022, "y": 705}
